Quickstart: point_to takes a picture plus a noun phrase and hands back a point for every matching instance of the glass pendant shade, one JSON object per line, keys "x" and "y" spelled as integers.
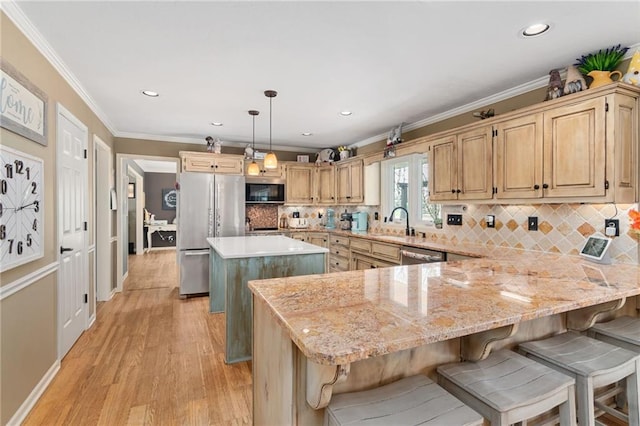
{"x": 270, "y": 160}
{"x": 253, "y": 169}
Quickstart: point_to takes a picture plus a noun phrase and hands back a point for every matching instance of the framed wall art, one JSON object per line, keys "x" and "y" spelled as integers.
{"x": 169, "y": 199}
{"x": 24, "y": 106}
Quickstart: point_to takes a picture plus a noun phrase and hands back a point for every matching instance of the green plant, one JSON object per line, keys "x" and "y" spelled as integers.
{"x": 606, "y": 60}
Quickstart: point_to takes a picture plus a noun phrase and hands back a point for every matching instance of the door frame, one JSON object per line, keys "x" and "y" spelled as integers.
{"x": 62, "y": 111}
{"x": 139, "y": 207}
{"x": 122, "y": 240}
{"x": 102, "y": 258}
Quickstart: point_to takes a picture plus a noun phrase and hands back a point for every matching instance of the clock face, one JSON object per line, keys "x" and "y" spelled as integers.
{"x": 21, "y": 208}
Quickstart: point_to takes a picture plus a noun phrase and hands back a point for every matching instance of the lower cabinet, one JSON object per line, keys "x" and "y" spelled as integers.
{"x": 338, "y": 253}
{"x": 368, "y": 254}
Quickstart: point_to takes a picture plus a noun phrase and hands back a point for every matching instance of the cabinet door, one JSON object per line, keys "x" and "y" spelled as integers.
{"x": 325, "y": 185}
{"x": 356, "y": 179}
{"x": 442, "y": 170}
{"x": 198, "y": 164}
{"x": 321, "y": 240}
{"x": 359, "y": 263}
{"x": 625, "y": 133}
{"x": 228, "y": 166}
{"x": 300, "y": 184}
{"x": 342, "y": 183}
{"x": 300, "y": 236}
{"x": 275, "y": 173}
{"x": 519, "y": 157}
{"x": 475, "y": 164}
{"x": 574, "y": 150}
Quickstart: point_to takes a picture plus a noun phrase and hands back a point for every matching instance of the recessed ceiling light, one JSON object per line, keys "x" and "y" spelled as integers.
{"x": 215, "y": 123}
{"x": 345, "y": 113}
{"x": 307, "y": 134}
{"x": 535, "y": 30}
{"x": 150, "y": 93}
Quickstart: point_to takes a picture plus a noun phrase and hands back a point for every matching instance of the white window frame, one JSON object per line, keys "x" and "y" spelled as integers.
{"x": 414, "y": 192}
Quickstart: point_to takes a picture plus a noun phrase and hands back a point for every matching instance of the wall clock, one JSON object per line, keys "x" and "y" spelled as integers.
{"x": 21, "y": 208}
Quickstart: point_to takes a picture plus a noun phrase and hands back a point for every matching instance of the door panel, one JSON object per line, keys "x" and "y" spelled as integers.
{"x": 442, "y": 170}
{"x": 195, "y": 210}
{"x": 74, "y": 271}
{"x": 229, "y": 205}
{"x": 475, "y": 164}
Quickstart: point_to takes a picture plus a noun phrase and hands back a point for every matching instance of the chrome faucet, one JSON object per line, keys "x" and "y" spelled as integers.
{"x": 406, "y": 232}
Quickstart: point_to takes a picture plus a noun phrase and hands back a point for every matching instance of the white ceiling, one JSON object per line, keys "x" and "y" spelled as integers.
{"x": 388, "y": 62}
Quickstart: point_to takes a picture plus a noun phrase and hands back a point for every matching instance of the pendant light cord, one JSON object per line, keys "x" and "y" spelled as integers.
{"x": 270, "y": 125}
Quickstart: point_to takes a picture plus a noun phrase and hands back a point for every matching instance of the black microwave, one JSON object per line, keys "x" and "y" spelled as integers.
{"x": 264, "y": 190}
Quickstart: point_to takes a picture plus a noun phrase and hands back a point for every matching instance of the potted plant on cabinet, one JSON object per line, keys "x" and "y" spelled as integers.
{"x": 601, "y": 65}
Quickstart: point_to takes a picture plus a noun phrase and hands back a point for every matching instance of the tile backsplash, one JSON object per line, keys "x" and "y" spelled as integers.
{"x": 562, "y": 228}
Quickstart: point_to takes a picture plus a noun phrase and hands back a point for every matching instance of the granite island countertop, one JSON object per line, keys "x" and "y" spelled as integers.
{"x": 345, "y": 317}
{"x": 261, "y": 246}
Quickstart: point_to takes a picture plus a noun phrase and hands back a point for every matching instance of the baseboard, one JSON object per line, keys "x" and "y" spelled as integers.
{"x": 161, "y": 248}
{"x": 35, "y": 394}
{"x": 91, "y": 321}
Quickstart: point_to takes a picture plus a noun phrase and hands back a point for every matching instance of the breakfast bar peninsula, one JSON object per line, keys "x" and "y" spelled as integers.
{"x": 326, "y": 334}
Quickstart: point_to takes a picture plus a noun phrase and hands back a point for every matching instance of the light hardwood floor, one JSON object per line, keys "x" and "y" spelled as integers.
{"x": 150, "y": 358}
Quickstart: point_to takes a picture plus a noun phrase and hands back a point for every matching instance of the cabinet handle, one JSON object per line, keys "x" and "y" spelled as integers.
{"x": 373, "y": 266}
{"x": 458, "y": 191}
{"x": 536, "y": 186}
{"x": 545, "y": 186}
{"x": 453, "y": 191}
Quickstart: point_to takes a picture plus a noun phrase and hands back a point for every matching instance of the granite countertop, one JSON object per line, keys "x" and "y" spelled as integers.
{"x": 261, "y": 246}
{"x": 345, "y": 317}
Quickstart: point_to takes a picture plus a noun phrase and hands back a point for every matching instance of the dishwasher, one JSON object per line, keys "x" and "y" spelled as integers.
{"x": 416, "y": 256}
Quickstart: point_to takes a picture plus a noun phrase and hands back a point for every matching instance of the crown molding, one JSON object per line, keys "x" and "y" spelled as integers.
{"x": 200, "y": 141}
{"x": 17, "y": 16}
{"x": 501, "y": 96}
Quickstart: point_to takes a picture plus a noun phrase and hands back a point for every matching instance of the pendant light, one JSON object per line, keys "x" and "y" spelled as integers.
{"x": 254, "y": 169}
{"x": 270, "y": 160}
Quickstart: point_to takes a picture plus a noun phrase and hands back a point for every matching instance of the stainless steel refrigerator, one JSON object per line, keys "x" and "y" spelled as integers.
{"x": 208, "y": 206}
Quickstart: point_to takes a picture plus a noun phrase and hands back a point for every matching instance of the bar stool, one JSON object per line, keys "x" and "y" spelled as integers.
{"x": 507, "y": 388}
{"x": 593, "y": 364}
{"x": 410, "y": 401}
{"x": 623, "y": 331}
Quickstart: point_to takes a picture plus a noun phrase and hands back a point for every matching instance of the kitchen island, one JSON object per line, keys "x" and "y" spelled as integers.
{"x": 235, "y": 261}
{"x": 334, "y": 333}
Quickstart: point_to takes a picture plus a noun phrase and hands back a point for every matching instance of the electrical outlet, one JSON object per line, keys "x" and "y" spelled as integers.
{"x": 532, "y": 223}
{"x": 490, "y": 220}
{"x": 454, "y": 219}
{"x": 612, "y": 227}
{"x": 375, "y": 216}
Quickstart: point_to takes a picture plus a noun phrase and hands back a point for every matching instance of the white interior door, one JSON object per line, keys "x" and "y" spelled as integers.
{"x": 73, "y": 275}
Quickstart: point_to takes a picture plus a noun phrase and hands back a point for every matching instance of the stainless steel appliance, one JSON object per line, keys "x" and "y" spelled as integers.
{"x": 415, "y": 256}
{"x": 264, "y": 190}
{"x": 208, "y": 206}
{"x": 345, "y": 221}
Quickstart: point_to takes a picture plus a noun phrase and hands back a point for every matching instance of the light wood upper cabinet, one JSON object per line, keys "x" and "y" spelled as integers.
{"x": 582, "y": 148}
{"x": 211, "y": 163}
{"x": 518, "y": 139}
{"x": 350, "y": 181}
{"x": 299, "y": 187}
{"x": 574, "y": 150}
{"x": 461, "y": 166}
{"x": 278, "y": 172}
{"x": 475, "y": 164}
{"x": 325, "y": 185}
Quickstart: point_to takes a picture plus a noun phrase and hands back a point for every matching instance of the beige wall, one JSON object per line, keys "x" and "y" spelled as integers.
{"x": 28, "y": 328}
{"x": 171, "y": 149}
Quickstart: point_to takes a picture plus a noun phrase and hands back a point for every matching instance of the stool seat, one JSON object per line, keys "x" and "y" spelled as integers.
{"x": 410, "y": 401}
{"x": 593, "y": 364}
{"x": 507, "y": 388}
{"x": 623, "y": 331}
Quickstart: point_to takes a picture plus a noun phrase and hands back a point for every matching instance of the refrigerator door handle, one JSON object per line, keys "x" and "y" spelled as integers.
{"x": 210, "y": 211}
{"x": 196, "y": 253}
